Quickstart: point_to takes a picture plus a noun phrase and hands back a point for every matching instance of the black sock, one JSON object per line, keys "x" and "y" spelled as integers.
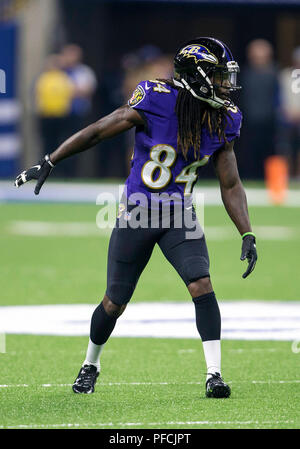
{"x": 102, "y": 325}
{"x": 208, "y": 318}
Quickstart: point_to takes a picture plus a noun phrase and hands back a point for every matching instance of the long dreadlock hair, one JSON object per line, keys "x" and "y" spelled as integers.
{"x": 192, "y": 116}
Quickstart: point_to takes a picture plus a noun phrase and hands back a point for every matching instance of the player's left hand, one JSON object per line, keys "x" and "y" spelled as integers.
{"x": 249, "y": 252}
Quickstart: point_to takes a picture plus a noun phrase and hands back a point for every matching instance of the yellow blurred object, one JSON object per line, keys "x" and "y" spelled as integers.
{"x": 276, "y": 178}
{"x": 54, "y": 92}
{"x": 9, "y": 9}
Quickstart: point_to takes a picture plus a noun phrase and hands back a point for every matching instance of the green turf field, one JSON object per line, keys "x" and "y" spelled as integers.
{"x": 145, "y": 383}
{"x": 64, "y": 269}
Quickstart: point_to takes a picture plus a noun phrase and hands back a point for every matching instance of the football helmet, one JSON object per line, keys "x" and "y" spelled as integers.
{"x": 203, "y": 65}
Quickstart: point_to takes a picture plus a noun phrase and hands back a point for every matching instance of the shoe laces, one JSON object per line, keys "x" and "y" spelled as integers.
{"x": 87, "y": 375}
{"x": 216, "y": 375}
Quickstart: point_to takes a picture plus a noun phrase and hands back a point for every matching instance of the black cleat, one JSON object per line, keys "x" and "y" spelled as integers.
{"x": 216, "y": 387}
{"x": 86, "y": 379}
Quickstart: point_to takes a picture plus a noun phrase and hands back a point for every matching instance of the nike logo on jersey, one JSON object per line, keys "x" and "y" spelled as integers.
{"x": 147, "y": 87}
{"x": 37, "y": 166}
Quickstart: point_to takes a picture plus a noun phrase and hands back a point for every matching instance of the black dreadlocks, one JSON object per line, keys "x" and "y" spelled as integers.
{"x": 192, "y": 115}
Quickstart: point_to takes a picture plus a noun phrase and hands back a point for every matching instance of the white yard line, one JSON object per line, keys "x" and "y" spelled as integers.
{"x": 131, "y": 424}
{"x": 87, "y": 229}
{"x": 241, "y": 350}
{"x": 113, "y": 384}
{"x": 55, "y": 228}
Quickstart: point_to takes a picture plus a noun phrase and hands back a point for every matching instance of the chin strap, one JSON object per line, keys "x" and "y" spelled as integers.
{"x": 214, "y": 101}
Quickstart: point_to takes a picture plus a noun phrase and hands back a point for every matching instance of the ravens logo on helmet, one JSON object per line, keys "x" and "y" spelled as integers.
{"x": 204, "y": 64}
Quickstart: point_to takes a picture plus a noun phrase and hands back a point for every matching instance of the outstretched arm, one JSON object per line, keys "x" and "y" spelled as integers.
{"x": 235, "y": 201}
{"x": 111, "y": 125}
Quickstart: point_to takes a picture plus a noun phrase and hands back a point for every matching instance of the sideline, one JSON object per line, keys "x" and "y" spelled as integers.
{"x": 241, "y": 320}
{"x": 61, "y": 192}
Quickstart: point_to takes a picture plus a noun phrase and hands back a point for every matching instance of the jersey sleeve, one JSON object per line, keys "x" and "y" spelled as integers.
{"x": 140, "y": 99}
{"x": 234, "y": 124}
{"x": 148, "y": 98}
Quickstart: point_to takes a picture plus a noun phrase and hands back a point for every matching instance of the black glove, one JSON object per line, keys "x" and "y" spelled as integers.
{"x": 39, "y": 172}
{"x": 249, "y": 252}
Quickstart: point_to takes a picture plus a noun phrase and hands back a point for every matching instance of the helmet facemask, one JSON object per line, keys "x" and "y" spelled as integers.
{"x": 224, "y": 82}
{"x": 205, "y": 84}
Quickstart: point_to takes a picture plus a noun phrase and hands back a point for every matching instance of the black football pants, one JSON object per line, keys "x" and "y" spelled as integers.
{"x": 130, "y": 250}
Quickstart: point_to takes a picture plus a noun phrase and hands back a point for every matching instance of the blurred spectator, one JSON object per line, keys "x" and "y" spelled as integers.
{"x": 84, "y": 83}
{"x": 289, "y": 133}
{"x": 83, "y": 78}
{"x": 146, "y": 63}
{"x": 260, "y": 101}
{"x": 53, "y": 98}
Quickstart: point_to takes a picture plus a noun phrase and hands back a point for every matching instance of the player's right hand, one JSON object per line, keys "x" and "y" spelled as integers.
{"x": 41, "y": 171}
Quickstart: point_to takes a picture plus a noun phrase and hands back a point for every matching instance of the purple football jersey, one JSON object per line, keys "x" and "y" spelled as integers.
{"x": 157, "y": 166}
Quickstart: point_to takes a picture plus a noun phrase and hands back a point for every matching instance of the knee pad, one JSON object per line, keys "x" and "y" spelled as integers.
{"x": 120, "y": 292}
{"x": 195, "y": 268}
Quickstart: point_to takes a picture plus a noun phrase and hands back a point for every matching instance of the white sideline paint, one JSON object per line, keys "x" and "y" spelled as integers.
{"x": 87, "y": 193}
{"x": 241, "y": 320}
{"x": 87, "y": 229}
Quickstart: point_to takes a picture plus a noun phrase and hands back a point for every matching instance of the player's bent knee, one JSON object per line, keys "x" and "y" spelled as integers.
{"x": 112, "y": 309}
{"x": 120, "y": 292}
{"x": 200, "y": 287}
{"x": 195, "y": 267}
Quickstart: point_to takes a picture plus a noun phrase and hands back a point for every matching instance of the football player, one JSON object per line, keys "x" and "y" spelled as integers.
{"x": 180, "y": 125}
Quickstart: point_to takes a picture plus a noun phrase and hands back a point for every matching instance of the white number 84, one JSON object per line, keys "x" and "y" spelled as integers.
{"x": 163, "y": 157}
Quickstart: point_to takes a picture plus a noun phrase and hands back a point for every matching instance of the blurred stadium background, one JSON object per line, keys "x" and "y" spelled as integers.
{"x": 66, "y": 63}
